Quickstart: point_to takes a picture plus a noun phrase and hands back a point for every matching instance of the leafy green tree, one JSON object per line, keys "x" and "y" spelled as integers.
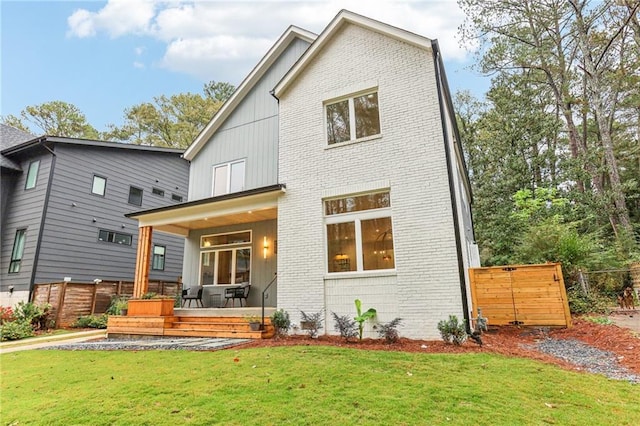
{"x": 171, "y": 121}
{"x": 54, "y": 118}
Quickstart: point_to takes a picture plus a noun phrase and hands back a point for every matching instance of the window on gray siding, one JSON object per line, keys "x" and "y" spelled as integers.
{"x": 176, "y": 197}
{"x": 99, "y": 185}
{"x": 228, "y": 178}
{"x": 157, "y": 191}
{"x": 18, "y": 251}
{"x": 135, "y": 196}
{"x": 157, "y": 262}
{"x": 353, "y": 118}
{"x": 114, "y": 237}
{"x": 32, "y": 175}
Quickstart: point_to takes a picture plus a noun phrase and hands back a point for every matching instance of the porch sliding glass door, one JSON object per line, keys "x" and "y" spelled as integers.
{"x": 228, "y": 266}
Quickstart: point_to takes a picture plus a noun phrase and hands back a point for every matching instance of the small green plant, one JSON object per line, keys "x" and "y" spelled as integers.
{"x": 91, "y": 321}
{"x": 281, "y": 321}
{"x": 452, "y": 330}
{"x": 16, "y": 330}
{"x": 118, "y": 304}
{"x": 35, "y": 315}
{"x": 149, "y": 295}
{"x": 592, "y": 303}
{"x": 345, "y": 325}
{"x": 251, "y": 318}
{"x": 598, "y": 320}
{"x": 311, "y": 323}
{"x": 361, "y": 317}
{"x": 389, "y": 331}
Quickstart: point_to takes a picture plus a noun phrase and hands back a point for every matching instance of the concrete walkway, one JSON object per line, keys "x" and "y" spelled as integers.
{"x": 627, "y": 319}
{"x": 55, "y": 340}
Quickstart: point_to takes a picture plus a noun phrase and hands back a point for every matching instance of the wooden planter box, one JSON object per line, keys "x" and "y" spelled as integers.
{"x": 150, "y": 307}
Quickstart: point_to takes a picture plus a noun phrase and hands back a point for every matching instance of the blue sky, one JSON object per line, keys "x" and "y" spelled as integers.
{"x": 105, "y": 56}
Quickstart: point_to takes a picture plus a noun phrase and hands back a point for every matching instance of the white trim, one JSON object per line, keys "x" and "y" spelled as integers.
{"x": 342, "y": 18}
{"x": 245, "y": 87}
{"x": 353, "y": 131}
{"x": 229, "y": 166}
{"x": 356, "y": 189}
{"x": 250, "y": 231}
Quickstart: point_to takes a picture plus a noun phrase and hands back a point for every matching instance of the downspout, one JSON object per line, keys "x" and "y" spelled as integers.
{"x": 44, "y": 214}
{"x": 454, "y": 205}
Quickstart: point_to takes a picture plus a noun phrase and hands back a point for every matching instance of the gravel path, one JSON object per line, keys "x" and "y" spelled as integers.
{"x": 179, "y": 343}
{"x": 587, "y": 357}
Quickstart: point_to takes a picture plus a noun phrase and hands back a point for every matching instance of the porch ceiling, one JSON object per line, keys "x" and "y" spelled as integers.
{"x": 212, "y": 212}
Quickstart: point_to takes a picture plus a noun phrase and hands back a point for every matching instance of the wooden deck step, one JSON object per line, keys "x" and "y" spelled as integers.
{"x": 217, "y": 333}
{"x": 216, "y": 320}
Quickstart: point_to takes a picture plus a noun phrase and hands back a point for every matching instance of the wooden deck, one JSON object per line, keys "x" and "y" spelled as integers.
{"x": 203, "y": 322}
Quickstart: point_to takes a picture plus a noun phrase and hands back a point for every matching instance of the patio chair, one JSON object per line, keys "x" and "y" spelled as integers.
{"x": 197, "y": 296}
{"x": 239, "y": 293}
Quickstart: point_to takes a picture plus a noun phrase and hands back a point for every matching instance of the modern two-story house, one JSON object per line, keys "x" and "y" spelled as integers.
{"x": 63, "y": 207}
{"x": 336, "y": 164}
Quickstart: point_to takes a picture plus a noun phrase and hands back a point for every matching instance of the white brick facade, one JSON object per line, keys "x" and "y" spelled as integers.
{"x": 410, "y": 156}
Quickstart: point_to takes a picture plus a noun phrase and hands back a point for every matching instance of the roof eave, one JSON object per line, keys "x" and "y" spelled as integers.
{"x": 247, "y": 84}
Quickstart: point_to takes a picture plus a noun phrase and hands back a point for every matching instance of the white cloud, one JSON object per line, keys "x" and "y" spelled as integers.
{"x": 138, "y": 65}
{"x": 202, "y": 36}
{"x": 139, "y": 50}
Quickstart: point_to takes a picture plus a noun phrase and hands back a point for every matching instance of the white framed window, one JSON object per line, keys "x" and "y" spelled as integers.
{"x": 32, "y": 175}
{"x": 99, "y": 185}
{"x": 359, "y": 233}
{"x": 225, "y": 258}
{"x": 353, "y": 117}
{"x": 18, "y": 251}
{"x": 228, "y": 177}
{"x": 157, "y": 261}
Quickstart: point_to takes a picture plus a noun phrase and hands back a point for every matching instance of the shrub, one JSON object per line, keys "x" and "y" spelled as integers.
{"x": 389, "y": 331}
{"x": 6, "y": 314}
{"x": 36, "y": 316}
{"x": 453, "y": 331}
{"x": 312, "y": 323}
{"x": 91, "y": 321}
{"x": 592, "y": 303}
{"x": 16, "y": 330}
{"x": 281, "y": 322}
{"x": 345, "y": 325}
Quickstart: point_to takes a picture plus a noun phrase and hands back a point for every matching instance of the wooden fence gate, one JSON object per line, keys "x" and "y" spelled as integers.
{"x": 529, "y": 295}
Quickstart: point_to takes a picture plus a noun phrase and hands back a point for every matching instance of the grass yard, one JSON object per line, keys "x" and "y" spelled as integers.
{"x": 303, "y": 385}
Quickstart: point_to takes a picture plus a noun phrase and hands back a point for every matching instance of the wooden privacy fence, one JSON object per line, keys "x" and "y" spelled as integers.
{"x": 529, "y": 295}
{"x": 72, "y": 300}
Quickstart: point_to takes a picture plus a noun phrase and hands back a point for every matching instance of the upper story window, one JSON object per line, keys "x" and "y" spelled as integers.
{"x": 32, "y": 175}
{"x": 18, "y": 251}
{"x": 353, "y": 118}
{"x": 228, "y": 177}
{"x": 99, "y": 185}
{"x": 359, "y": 233}
{"x": 135, "y": 196}
{"x": 157, "y": 191}
{"x": 176, "y": 197}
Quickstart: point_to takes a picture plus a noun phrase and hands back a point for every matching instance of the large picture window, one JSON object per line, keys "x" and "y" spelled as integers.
{"x": 18, "y": 251}
{"x": 225, "y": 258}
{"x": 359, "y": 233}
{"x": 228, "y": 178}
{"x": 353, "y": 118}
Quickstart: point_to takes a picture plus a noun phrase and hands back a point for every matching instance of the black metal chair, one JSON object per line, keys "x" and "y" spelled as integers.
{"x": 239, "y": 293}
{"x": 197, "y": 296}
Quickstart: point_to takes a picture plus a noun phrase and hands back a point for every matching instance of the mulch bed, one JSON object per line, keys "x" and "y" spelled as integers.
{"x": 508, "y": 341}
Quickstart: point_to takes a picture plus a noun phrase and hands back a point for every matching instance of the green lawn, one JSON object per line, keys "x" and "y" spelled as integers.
{"x": 303, "y": 385}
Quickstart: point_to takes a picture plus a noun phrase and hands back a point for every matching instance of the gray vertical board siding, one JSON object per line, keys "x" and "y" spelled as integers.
{"x": 250, "y": 133}
{"x": 262, "y": 270}
{"x": 70, "y": 245}
{"x": 24, "y": 210}
{"x": 7, "y": 185}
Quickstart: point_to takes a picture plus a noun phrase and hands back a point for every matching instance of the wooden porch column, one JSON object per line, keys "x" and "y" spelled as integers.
{"x": 143, "y": 260}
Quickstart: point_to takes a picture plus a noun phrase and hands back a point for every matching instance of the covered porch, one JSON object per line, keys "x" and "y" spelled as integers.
{"x": 230, "y": 242}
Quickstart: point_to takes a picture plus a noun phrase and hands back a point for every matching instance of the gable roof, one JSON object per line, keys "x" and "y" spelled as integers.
{"x": 247, "y": 84}
{"x": 10, "y": 136}
{"x": 342, "y": 18}
{"x": 38, "y": 141}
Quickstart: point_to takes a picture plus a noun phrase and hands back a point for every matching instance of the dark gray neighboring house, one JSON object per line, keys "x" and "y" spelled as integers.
{"x": 63, "y": 207}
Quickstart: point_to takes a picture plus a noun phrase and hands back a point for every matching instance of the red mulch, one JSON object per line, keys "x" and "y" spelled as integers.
{"x": 507, "y": 340}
